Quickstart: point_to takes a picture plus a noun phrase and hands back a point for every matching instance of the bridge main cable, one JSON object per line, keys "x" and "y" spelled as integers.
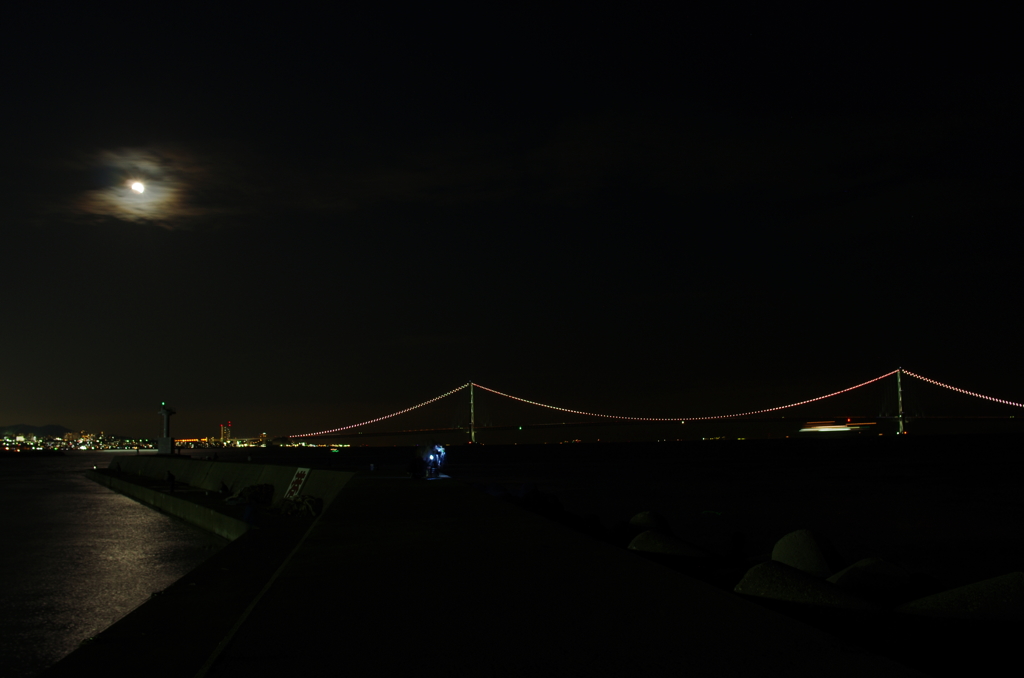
{"x": 627, "y": 418}
{"x": 614, "y": 416}
{"x": 720, "y": 416}
{"x": 964, "y": 391}
{"x": 387, "y": 416}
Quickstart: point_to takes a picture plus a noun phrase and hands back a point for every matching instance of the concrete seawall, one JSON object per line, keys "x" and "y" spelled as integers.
{"x": 134, "y": 477}
{"x": 505, "y": 585}
{"x": 202, "y": 516}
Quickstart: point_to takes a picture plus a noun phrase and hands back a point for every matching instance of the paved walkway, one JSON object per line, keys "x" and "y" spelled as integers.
{"x": 400, "y": 576}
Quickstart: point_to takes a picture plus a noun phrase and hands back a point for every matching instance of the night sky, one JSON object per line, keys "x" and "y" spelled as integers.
{"x": 632, "y": 212}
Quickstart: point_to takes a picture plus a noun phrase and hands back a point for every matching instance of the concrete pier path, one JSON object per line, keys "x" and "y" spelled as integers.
{"x": 400, "y": 576}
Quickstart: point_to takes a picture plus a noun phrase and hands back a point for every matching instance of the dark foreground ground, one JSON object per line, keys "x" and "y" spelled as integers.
{"x": 526, "y": 552}
{"x": 949, "y": 506}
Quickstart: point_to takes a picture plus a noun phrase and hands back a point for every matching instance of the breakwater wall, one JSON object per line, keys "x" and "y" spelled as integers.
{"x": 143, "y": 478}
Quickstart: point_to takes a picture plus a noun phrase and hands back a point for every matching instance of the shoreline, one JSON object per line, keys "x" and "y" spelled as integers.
{"x": 886, "y": 500}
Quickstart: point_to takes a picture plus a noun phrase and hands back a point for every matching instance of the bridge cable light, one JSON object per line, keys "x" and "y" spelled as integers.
{"x": 470, "y": 385}
{"x": 720, "y": 416}
{"x": 965, "y": 392}
{"x": 388, "y": 416}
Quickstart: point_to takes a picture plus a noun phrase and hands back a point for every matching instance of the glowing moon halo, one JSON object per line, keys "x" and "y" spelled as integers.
{"x": 138, "y": 187}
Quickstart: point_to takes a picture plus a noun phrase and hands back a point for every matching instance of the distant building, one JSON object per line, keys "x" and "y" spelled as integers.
{"x": 225, "y": 432}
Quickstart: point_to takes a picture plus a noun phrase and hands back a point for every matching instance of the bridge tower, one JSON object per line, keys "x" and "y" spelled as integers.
{"x": 472, "y": 416}
{"x": 899, "y": 400}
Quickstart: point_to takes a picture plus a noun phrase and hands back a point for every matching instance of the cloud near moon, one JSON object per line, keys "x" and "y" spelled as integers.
{"x": 146, "y": 186}
{"x": 189, "y": 185}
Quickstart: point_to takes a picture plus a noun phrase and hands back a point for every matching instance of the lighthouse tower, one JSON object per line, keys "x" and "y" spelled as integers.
{"x": 165, "y": 444}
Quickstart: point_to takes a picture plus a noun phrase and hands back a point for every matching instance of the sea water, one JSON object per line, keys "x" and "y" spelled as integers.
{"x": 76, "y": 557}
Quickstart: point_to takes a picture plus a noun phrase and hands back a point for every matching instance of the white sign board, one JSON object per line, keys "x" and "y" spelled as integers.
{"x": 293, "y": 488}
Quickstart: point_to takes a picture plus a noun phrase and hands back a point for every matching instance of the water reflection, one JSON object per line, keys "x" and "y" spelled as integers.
{"x": 77, "y": 557}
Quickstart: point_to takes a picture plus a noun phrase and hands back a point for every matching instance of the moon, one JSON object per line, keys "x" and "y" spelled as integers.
{"x": 138, "y": 187}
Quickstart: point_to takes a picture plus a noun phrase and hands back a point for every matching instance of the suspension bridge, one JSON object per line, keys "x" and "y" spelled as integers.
{"x": 595, "y": 418}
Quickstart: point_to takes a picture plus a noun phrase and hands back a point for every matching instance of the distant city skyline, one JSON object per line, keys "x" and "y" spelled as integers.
{"x": 918, "y": 397}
